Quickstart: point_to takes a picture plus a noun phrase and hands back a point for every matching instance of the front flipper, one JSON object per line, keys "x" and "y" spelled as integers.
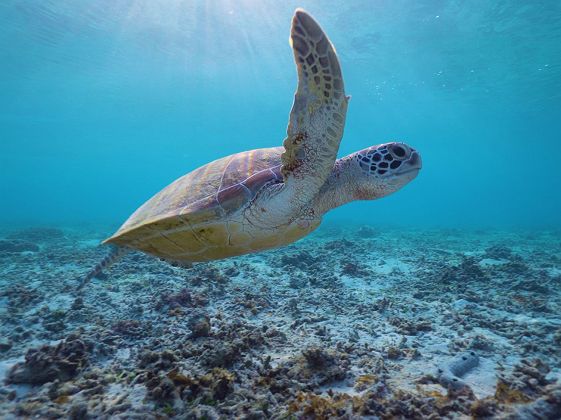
{"x": 318, "y": 114}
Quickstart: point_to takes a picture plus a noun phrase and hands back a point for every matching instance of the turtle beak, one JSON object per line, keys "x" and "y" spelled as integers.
{"x": 415, "y": 160}
{"x": 414, "y": 163}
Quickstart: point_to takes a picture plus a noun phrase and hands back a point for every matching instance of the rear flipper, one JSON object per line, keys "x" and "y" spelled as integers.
{"x": 115, "y": 253}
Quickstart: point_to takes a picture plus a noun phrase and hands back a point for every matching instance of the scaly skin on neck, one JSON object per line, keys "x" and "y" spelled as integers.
{"x": 340, "y": 188}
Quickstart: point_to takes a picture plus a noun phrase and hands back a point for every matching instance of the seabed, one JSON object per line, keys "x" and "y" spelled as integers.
{"x": 351, "y": 322}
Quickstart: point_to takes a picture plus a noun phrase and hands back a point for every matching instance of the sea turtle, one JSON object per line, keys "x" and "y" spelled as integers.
{"x": 266, "y": 198}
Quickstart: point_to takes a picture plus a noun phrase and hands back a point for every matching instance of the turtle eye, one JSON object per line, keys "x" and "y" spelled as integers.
{"x": 399, "y": 151}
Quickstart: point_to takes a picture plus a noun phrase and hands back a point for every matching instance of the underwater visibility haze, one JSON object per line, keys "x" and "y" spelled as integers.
{"x": 443, "y": 298}
{"x": 113, "y": 101}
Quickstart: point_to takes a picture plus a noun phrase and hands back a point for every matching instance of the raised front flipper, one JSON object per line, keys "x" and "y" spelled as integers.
{"x": 318, "y": 114}
{"x": 314, "y": 130}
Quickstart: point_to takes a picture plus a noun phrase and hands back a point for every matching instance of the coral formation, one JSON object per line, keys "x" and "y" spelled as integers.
{"x": 339, "y": 325}
{"x": 16, "y": 245}
{"x": 47, "y": 363}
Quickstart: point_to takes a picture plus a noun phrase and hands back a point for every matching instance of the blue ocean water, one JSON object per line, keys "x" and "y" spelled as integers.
{"x": 104, "y": 103}
{"x": 442, "y": 300}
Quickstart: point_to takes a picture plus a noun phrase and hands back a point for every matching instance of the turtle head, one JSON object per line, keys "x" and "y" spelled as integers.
{"x": 384, "y": 169}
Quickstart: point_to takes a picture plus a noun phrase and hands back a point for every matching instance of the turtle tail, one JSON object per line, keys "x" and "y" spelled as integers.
{"x": 115, "y": 253}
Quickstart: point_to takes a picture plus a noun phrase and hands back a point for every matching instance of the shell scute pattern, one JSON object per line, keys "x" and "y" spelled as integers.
{"x": 208, "y": 195}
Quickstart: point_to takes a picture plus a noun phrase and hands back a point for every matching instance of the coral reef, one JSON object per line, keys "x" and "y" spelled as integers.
{"x": 48, "y": 363}
{"x": 352, "y": 322}
{"x": 37, "y": 234}
{"x": 16, "y": 245}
